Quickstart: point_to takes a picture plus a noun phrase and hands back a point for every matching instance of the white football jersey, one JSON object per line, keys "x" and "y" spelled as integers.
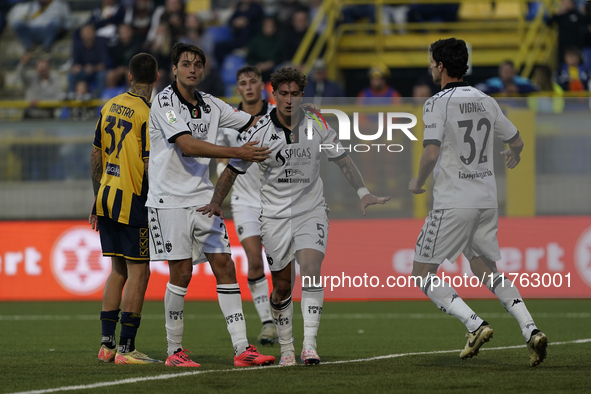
{"x": 290, "y": 177}
{"x": 177, "y": 180}
{"x": 461, "y": 120}
{"x": 247, "y": 188}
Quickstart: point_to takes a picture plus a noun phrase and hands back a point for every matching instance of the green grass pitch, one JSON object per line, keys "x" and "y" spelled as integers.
{"x": 52, "y": 346}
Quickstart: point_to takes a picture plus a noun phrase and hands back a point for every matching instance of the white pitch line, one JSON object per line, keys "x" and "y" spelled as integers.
{"x": 329, "y": 316}
{"x": 201, "y": 372}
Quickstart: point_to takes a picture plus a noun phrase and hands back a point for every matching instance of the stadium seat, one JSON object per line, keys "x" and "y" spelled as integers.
{"x": 475, "y": 11}
{"x": 196, "y": 6}
{"x": 220, "y": 33}
{"x": 507, "y": 10}
{"x": 587, "y": 57}
{"x": 232, "y": 63}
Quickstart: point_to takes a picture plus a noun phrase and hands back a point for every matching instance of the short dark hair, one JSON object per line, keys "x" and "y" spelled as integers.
{"x": 249, "y": 70}
{"x": 180, "y": 47}
{"x": 287, "y": 75}
{"x": 143, "y": 68}
{"x": 453, "y": 54}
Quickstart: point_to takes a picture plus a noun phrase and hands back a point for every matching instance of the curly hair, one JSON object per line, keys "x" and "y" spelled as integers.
{"x": 287, "y": 75}
{"x": 453, "y": 54}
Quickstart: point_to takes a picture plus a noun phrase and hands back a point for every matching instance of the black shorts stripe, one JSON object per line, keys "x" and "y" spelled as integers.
{"x": 437, "y": 233}
{"x": 117, "y": 204}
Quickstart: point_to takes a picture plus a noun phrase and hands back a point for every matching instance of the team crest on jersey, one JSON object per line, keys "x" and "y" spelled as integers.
{"x": 308, "y": 132}
{"x": 168, "y": 246}
{"x": 171, "y": 117}
{"x": 206, "y": 108}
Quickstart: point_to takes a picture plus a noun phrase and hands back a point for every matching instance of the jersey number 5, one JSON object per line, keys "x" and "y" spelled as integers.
{"x": 469, "y": 125}
{"x": 122, "y": 124}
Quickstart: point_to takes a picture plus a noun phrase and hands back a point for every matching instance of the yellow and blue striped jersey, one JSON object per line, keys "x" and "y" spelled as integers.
{"x": 122, "y": 136}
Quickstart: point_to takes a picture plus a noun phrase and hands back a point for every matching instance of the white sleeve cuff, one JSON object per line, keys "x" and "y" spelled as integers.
{"x": 362, "y": 192}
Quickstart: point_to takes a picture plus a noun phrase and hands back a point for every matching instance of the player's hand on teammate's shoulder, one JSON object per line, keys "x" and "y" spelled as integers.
{"x": 211, "y": 209}
{"x": 370, "y": 199}
{"x": 250, "y": 152}
{"x": 511, "y": 158}
{"x": 414, "y": 186}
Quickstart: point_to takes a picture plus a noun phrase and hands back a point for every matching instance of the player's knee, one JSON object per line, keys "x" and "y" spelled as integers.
{"x": 255, "y": 267}
{"x": 223, "y": 269}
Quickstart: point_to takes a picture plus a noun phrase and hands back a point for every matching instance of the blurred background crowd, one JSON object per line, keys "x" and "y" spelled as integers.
{"x": 79, "y": 49}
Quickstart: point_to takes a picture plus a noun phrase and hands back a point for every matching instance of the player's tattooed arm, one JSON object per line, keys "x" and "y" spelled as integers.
{"x": 356, "y": 180}
{"x": 146, "y": 162}
{"x": 222, "y": 188}
{"x": 351, "y": 172}
{"x": 96, "y": 168}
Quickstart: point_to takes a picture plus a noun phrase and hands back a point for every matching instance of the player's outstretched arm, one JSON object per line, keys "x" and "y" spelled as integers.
{"x": 426, "y": 166}
{"x": 222, "y": 188}
{"x": 96, "y": 172}
{"x": 355, "y": 179}
{"x": 248, "y": 152}
{"x": 513, "y": 154}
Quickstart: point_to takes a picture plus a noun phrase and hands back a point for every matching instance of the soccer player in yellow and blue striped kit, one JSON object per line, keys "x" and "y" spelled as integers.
{"x": 119, "y": 166}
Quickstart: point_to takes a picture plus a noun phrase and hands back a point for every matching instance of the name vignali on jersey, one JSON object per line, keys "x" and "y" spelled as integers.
{"x": 122, "y": 129}
{"x": 290, "y": 177}
{"x": 460, "y": 119}
{"x": 179, "y": 180}
{"x": 247, "y": 187}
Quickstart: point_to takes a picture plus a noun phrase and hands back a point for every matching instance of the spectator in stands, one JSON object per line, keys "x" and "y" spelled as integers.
{"x": 4, "y": 8}
{"x": 196, "y": 35}
{"x": 550, "y": 97}
{"x": 160, "y": 49}
{"x": 40, "y": 22}
{"x": 40, "y": 84}
{"x": 572, "y": 25}
{"x": 127, "y": 47}
{"x": 421, "y": 91}
{"x": 378, "y": 85}
{"x": 319, "y": 86}
{"x": 508, "y": 82}
{"x": 300, "y": 22}
{"x": 106, "y": 20}
{"x": 139, "y": 17}
{"x": 286, "y": 9}
{"x": 212, "y": 82}
{"x": 433, "y": 12}
{"x": 353, "y": 13}
{"x": 573, "y": 76}
{"x": 81, "y": 94}
{"x": 171, "y": 13}
{"x": 89, "y": 61}
{"x": 265, "y": 49}
{"x": 245, "y": 23}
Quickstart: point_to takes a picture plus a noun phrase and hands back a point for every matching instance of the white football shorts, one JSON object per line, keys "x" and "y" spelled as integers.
{"x": 182, "y": 233}
{"x": 449, "y": 232}
{"x": 282, "y": 238}
{"x": 246, "y": 220}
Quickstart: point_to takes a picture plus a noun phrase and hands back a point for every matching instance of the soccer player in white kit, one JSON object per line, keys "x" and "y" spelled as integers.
{"x": 458, "y": 122}
{"x": 183, "y": 131}
{"x": 246, "y": 200}
{"x": 293, "y": 211}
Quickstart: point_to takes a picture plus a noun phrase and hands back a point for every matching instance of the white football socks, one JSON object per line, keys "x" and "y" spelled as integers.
{"x": 259, "y": 289}
{"x": 510, "y": 298}
{"x": 231, "y": 306}
{"x": 312, "y": 301}
{"x": 174, "y": 301}
{"x": 446, "y": 298}
{"x": 283, "y": 317}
